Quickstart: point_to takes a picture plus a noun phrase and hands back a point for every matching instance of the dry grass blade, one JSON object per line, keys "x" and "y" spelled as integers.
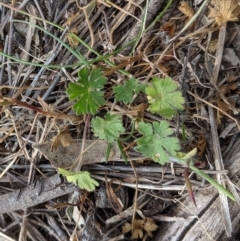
{"x": 115, "y": 202}
{"x": 220, "y": 166}
{"x": 222, "y": 12}
{"x": 215, "y": 107}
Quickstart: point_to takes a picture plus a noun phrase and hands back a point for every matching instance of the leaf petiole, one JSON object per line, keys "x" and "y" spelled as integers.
{"x": 188, "y": 163}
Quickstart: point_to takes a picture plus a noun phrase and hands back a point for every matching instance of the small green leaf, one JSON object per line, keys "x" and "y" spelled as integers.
{"x": 126, "y": 91}
{"x": 122, "y": 151}
{"x": 156, "y": 141}
{"x": 82, "y": 179}
{"x": 87, "y": 91}
{"x": 187, "y": 156}
{"x": 164, "y": 98}
{"x": 109, "y": 128}
{"x": 109, "y": 147}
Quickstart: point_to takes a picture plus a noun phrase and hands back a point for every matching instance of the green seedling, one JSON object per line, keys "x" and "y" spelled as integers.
{"x": 82, "y": 179}
{"x": 164, "y": 98}
{"x": 108, "y": 128}
{"x": 87, "y": 91}
{"x": 126, "y": 91}
{"x": 157, "y": 141}
{"x": 186, "y": 159}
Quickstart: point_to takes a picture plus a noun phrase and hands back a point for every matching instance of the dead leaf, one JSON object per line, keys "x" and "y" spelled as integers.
{"x": 137, "y": 229}
{"x": 126, "y": 228}
{"x": 64, "y": 138}
{"x": 139, "y": 110}
{"x": 71, "y": 23}
{"x": 169, "y": 28}
{"x": 201, "y": 145}
{"x": 71, "y": 40}
{"x": 223, "y": 11}
{"x": 224, "y": 107}
{"x": 126, "y": 61}
{"x": 64, "y": 157}
{"x": 150, "y": 226}
{"x": 115, "y": 202}
{"x": 140, "y": 226}
{"x": 167, "y": 57}
{"x": 231, "y": 78}
{"x": 225, "y": 89}
{"x": 212, "y": 47}
{"x": 186, "y": 9}
{"x": 48, "y": 111}
{"x": 55, "y": 143}
{"x": 72, "y": 18}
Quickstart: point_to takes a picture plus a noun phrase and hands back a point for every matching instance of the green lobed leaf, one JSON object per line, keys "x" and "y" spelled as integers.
{"x": 156, "y": 141}
{"x": 87, "y": 92}
{"x": 82, "y": 179}
{"x": 163, "y": 97}
{"x": 126, "y": 91}
{"x": 109, "y": 128}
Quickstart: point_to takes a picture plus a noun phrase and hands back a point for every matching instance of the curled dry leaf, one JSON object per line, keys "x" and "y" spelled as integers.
{"x": 71, "y": 19}
{"x": 138, "y": 110}
{"x": 225, "y": 89}
{"x": 224, "y": 107}
{"x": 149, "y": 226}
{"x": 227, "y": 107}
{"x": 115, "y": 202}
{"x": 63, "y": 138}
{"x": 186, "y": 9}
{"x": 223, "y": 11}
{"x": 212, "y": 47}
{"x": 201, "y": 145}
{"x": 169, "y": 28}
{"x": 49, "y": 111}
{"x": 140, "y": 226}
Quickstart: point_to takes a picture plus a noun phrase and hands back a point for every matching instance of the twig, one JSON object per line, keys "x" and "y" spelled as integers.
{"x": 79, "y": 165}
{"x": 24, "y": 228}
{"x": 29, "y": 196}
{"x": 215, "y": 140}
{"x": 135, "y": 196}
{"x": 86, "y": 10}
{"x": 215, "y": 107}
{"x": 10, "y": 47}
{"x": 3, "y": 60}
